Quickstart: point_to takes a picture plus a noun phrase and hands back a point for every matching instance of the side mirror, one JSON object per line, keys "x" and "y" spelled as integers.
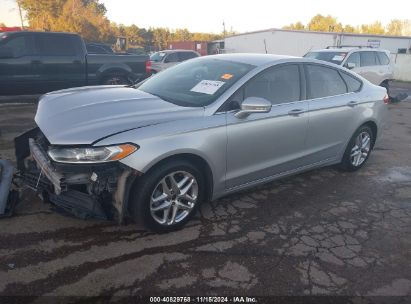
{"x": 351, "y": 65}
{"x": 6, "y": 52}
{"x": 253, "y": 105}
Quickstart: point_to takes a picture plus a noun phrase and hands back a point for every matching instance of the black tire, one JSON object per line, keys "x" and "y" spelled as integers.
{"x": 140, "y": 196}
{"x": 386, "y": 85}
{"x": 347, "y": 161}
{"x": 116, "y": 80}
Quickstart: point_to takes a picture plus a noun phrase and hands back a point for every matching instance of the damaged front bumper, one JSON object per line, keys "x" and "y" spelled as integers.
{"x": 85, "y": 190}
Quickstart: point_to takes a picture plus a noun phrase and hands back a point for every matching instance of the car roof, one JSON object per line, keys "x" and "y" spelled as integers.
{"x": 349, "y": 49}
{"x": 253, "y": 59}
{"x": 176, "y": 50}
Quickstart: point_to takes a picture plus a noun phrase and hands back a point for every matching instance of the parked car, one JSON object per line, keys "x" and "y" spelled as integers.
{"x": 168, "y": 58}
{"x": 372, "y": 64}
{"x": 198, "y": 131}
{"x": 38, "y": 62}
{"x": 98, "y": 48}
{"x": 136, "y": 51}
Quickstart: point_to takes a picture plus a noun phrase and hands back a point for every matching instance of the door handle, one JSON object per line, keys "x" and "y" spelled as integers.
{"x": 296, "y": 112}
{"x": 352, "y": 103}
{"x": 76, "y": 61}
{"x": 36, "y": 62}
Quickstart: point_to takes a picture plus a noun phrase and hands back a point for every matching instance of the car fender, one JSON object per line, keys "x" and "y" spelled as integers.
{"x": 205, "y": 138}
{"x": 368, "y": 116}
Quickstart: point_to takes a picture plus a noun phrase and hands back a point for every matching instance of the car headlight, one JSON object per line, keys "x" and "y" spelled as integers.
{"x": 91, "y": 154}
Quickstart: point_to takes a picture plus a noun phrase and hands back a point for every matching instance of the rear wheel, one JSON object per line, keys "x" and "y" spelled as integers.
{"x": 358, "y": 149}
{"x": 166, "y": 198}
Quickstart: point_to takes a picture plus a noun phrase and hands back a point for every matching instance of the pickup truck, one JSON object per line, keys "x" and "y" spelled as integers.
{"x": 40, "y": 62}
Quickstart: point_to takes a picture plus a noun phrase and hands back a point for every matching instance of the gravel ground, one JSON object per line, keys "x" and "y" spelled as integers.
{"x": 320, "y": 233}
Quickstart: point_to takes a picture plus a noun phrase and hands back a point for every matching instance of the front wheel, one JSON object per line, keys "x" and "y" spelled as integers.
{"x": 167, "y": 197}
{"x": 358, "y": 149}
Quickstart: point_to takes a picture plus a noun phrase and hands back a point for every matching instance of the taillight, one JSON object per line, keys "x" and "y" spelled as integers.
{"x": 148, "y": 66}
{"x": 386, "y": 99}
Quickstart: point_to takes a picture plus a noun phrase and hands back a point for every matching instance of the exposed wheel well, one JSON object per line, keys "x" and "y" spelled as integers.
{"x": 196, "y": 160}
{"x": 384, "y": 82}
{"x": 374, "y": 129}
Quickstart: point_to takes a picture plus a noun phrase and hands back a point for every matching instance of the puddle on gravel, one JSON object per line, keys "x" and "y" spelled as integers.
{"x": 396, "y": 175}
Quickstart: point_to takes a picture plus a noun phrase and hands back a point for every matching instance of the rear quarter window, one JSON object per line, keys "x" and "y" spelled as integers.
{"x": 353, "y": 84}
{"x": 384, "y": 60}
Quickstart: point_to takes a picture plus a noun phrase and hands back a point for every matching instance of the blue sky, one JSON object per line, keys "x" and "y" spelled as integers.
{"x": 208, "y": 16}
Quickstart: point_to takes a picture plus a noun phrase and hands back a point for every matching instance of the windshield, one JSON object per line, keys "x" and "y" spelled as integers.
{"x": 157, "y": 56}
{"x": 197, "y": 82}
{"x": 333, "y": 57}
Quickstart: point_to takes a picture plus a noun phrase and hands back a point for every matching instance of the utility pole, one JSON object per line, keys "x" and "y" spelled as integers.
{"x": 224, "y": 32}
{"x": 21, "y": 15}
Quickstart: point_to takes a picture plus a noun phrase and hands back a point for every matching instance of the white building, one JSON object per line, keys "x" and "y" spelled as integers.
{"x": 298, "y": 43}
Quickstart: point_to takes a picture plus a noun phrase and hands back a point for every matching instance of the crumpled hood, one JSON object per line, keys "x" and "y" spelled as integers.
{"x": 85, "y": 115}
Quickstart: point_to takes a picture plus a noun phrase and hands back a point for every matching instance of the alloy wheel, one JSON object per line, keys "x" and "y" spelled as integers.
{"x": 361, "y": 149}
{"x": 173, "y": 198}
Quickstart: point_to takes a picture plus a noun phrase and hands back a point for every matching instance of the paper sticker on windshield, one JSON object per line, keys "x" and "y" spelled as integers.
{"x": 207, "y": 86}
{"x": 227, "y": 76}
{"x": 338, "y": 58}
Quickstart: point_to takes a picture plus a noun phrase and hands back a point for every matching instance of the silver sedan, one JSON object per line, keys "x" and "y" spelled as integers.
{"x": 196, "y": 132}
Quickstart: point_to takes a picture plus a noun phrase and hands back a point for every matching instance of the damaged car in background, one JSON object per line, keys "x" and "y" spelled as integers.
{"x": 198, "y": 131}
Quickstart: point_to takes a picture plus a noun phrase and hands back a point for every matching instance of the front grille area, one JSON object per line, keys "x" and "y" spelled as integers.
{"x": 68, "y": 186}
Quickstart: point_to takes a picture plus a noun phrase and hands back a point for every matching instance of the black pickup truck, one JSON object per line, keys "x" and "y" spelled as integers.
{"x": 39, "y": 62}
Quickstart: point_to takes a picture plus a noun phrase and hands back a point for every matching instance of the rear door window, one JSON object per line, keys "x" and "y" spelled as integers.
{"x": 278, "y": 85}
{"x": 384, "y": 60}
{"x": 368, "y": 59}
{"x": 324, "y": 81}
{"x": 56, "y": 45}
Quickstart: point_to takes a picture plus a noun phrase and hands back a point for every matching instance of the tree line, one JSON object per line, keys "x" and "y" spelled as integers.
{"x": 88, "y": 18}
{"x": 396, "y": 27}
